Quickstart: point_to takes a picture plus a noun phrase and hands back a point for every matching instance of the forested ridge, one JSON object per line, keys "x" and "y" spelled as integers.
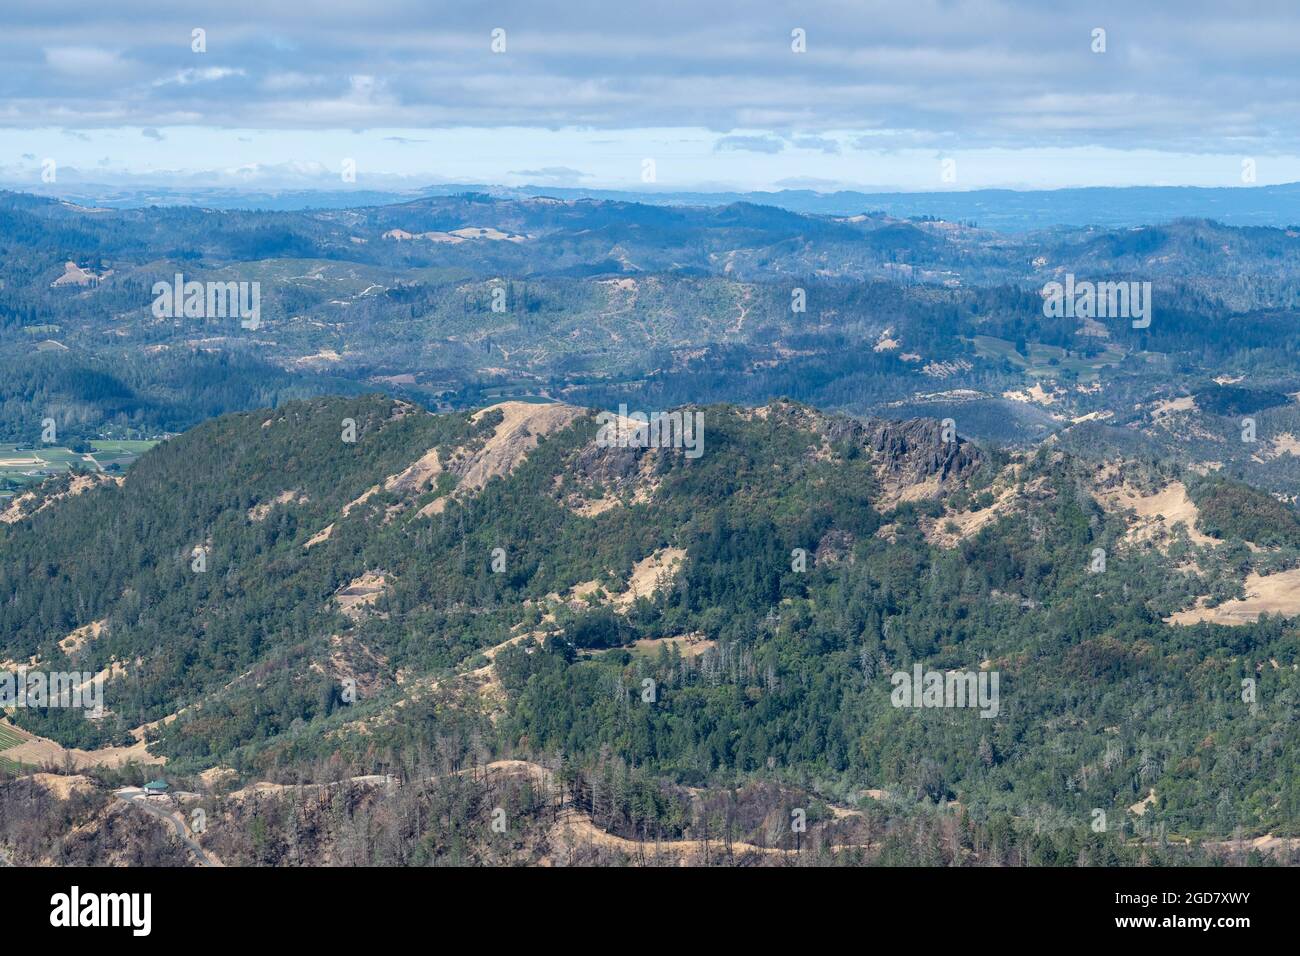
{"x": 775, "y": 672}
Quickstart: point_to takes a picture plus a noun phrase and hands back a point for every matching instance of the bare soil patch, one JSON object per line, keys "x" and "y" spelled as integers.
{"x": 1273, "y": 594}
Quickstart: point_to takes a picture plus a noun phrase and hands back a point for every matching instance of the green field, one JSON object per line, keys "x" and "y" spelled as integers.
{"x": 1047, "y": 361}
{"x": 8, "y": 738}
{"x": 120, "y": 453}
{"x": 23, "y": 464}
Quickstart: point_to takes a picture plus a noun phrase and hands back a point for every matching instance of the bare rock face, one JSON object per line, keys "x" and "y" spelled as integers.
{"x": 910, "y": 451}
{"x": 522, "y": 423}
{"x": 610, "y": 465}
{"x": 914, "y": 451}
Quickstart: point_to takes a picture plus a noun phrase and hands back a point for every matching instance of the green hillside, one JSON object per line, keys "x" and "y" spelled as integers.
{"x": 295, "y": 654}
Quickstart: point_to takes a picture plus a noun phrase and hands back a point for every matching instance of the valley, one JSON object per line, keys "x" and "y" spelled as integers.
{"x": 598, "y": 302}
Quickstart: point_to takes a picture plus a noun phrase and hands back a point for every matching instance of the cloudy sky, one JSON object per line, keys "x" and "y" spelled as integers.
{"x": 907, "y": 94}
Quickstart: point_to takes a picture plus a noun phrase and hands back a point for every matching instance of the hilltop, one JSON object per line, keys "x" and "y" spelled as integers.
{"x": 453, "y": 589}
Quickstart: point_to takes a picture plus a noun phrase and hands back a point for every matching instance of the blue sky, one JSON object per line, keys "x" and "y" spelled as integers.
{"x": 584, "y": 93}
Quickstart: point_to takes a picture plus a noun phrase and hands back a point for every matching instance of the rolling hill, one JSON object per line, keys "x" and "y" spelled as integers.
{"x": 385, "y": 617}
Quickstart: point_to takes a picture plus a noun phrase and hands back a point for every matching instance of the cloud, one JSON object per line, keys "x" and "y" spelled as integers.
{"x": 816, "y": 142}
{"x": 1192, "y": 76}
{"x": 291, "y": 82}
{"x": 551, "y": 176}
{"x": 192, "y": 75}
{"x": 150, "y": 133}
{"x": 79, "y": 60}
{"x": 749, "y": 144}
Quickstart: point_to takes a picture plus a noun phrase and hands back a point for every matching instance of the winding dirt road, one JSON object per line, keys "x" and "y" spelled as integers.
{"x": 138, "y": 799}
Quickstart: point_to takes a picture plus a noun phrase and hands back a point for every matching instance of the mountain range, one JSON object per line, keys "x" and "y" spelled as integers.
{"x": 388, "y": 571}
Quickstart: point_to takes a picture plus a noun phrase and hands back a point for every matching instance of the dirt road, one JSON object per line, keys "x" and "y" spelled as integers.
{"x": 138, "y": 799}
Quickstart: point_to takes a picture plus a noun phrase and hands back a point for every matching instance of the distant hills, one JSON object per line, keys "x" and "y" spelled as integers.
{"x": 1007, "y": 210}
{"x": 464, "y": 300}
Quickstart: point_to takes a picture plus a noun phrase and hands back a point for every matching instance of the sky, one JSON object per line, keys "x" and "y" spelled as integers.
{"x": 905, "y": 95}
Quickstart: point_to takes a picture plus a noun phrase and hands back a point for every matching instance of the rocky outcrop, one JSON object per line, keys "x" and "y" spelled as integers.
{"x": 914, "y": 451}
{"x": 608, "y": 464}
{"x": 522, "y": 423}
{"x": 911, "y": 451}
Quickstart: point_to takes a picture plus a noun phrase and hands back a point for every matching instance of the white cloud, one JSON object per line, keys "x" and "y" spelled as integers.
{"x": 192, "y": 75}
{"x": 81, "y": 60}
